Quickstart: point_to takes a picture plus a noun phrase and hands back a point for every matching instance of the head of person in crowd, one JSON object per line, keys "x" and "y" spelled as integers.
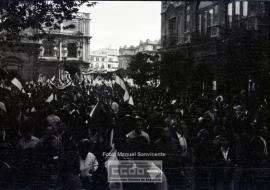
{"x": 224, "y": 141}
{"x": 138, "y": 127}
{"x": 203, "y": 135}
{"x": 166, "y": 133}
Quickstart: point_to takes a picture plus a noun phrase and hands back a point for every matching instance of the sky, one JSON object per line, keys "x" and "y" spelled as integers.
{"x": 119, "y": 23}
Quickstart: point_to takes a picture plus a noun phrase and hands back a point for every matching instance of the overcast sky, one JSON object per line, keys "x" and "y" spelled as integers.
{"x": 119, "y": 23}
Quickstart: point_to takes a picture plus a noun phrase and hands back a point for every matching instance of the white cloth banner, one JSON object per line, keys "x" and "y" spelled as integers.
{"x": 18, "y": 84}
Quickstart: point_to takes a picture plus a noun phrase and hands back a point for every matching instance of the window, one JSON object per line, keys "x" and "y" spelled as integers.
{"x": 211, "y": 17}
{"x": 200, "y": 23}
{"x": 245, "y": 8}
{"x": 205, "y": 21}
{"x": 72, "y": 50}
{"x": 215, "y": 16}
{"x": 187, "y": 19}
{"x": 237, "y": 8}
{"x": 172, "y": 25}
{"x": 230, "y": 13}
{"x": 48, "y": 48}
{"x": 187, "y": 23}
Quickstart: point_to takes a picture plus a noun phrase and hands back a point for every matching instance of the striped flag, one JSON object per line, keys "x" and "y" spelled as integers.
{"x": 121, "y": 83}
{"x": 18, "y": 84}
{"x": 130, "y": 101}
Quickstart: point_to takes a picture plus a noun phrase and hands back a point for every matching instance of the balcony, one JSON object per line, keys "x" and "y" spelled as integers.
{"x": 65, "y": 33}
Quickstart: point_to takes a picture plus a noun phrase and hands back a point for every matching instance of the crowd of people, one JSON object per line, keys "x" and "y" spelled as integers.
{"x": 207, "y": 142}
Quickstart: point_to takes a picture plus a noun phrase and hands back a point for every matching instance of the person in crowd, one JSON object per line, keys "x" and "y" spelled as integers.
{"x": 115, "y": 106}
{"x": 172, "y": 150}
{"x": 198, "y": 132}
{"x": 223, "y": 164}
{"x": 138, "y": 132}
{"x": 52, "y": 119}
{"x": 68, "y": 167}
{"x": 27, "y": 141}
{"x": 202, "y": 159}
{"x": 88, "y": 163}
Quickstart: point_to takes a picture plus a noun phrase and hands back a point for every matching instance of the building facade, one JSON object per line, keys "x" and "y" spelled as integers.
{"x": 206, "y": 35}
{"x": 126, "y": 53}
{"x": 104, "y": 59}
{"x": 67, "y": 47}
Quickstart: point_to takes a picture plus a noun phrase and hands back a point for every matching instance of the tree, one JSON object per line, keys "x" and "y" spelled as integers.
{"x": 18, "y": 15}
{"x": 143, "y": 68}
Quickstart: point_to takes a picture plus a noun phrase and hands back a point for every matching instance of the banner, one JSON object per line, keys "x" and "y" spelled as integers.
{"x": 121, "y": 83}
{"x": 18, "y": 84}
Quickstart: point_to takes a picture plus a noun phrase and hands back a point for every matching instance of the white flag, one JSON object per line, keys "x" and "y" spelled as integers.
{"x": 18, "y": 84}
{"x": 121, "y": 83}
{"x": 3, "y": 107}
{"x": 131, "y": 102}
{"x": 50, "y": 98}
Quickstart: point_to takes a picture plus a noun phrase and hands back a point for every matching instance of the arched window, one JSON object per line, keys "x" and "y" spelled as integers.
{"x": 72, "y": 50}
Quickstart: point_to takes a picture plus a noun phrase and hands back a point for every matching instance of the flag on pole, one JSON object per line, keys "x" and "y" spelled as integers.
{"x": 3, "y": 107}
{"x": 51, "y": 80}
{"x": 18, "y": 84}
{"x": 126, "y": 96}
{"x": 51, "y": 98}
{"x": 121, "y": 83}
{"x": 130, "y": 101}
{"x": 93, "y": 110}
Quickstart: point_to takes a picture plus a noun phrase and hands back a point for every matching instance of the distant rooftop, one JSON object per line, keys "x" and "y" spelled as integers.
{"x": 154, "y": 42}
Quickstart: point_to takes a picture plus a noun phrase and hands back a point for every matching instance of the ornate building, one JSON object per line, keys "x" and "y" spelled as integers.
{"x": 211, "y": 36}
{"x": 69, "y": 48}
